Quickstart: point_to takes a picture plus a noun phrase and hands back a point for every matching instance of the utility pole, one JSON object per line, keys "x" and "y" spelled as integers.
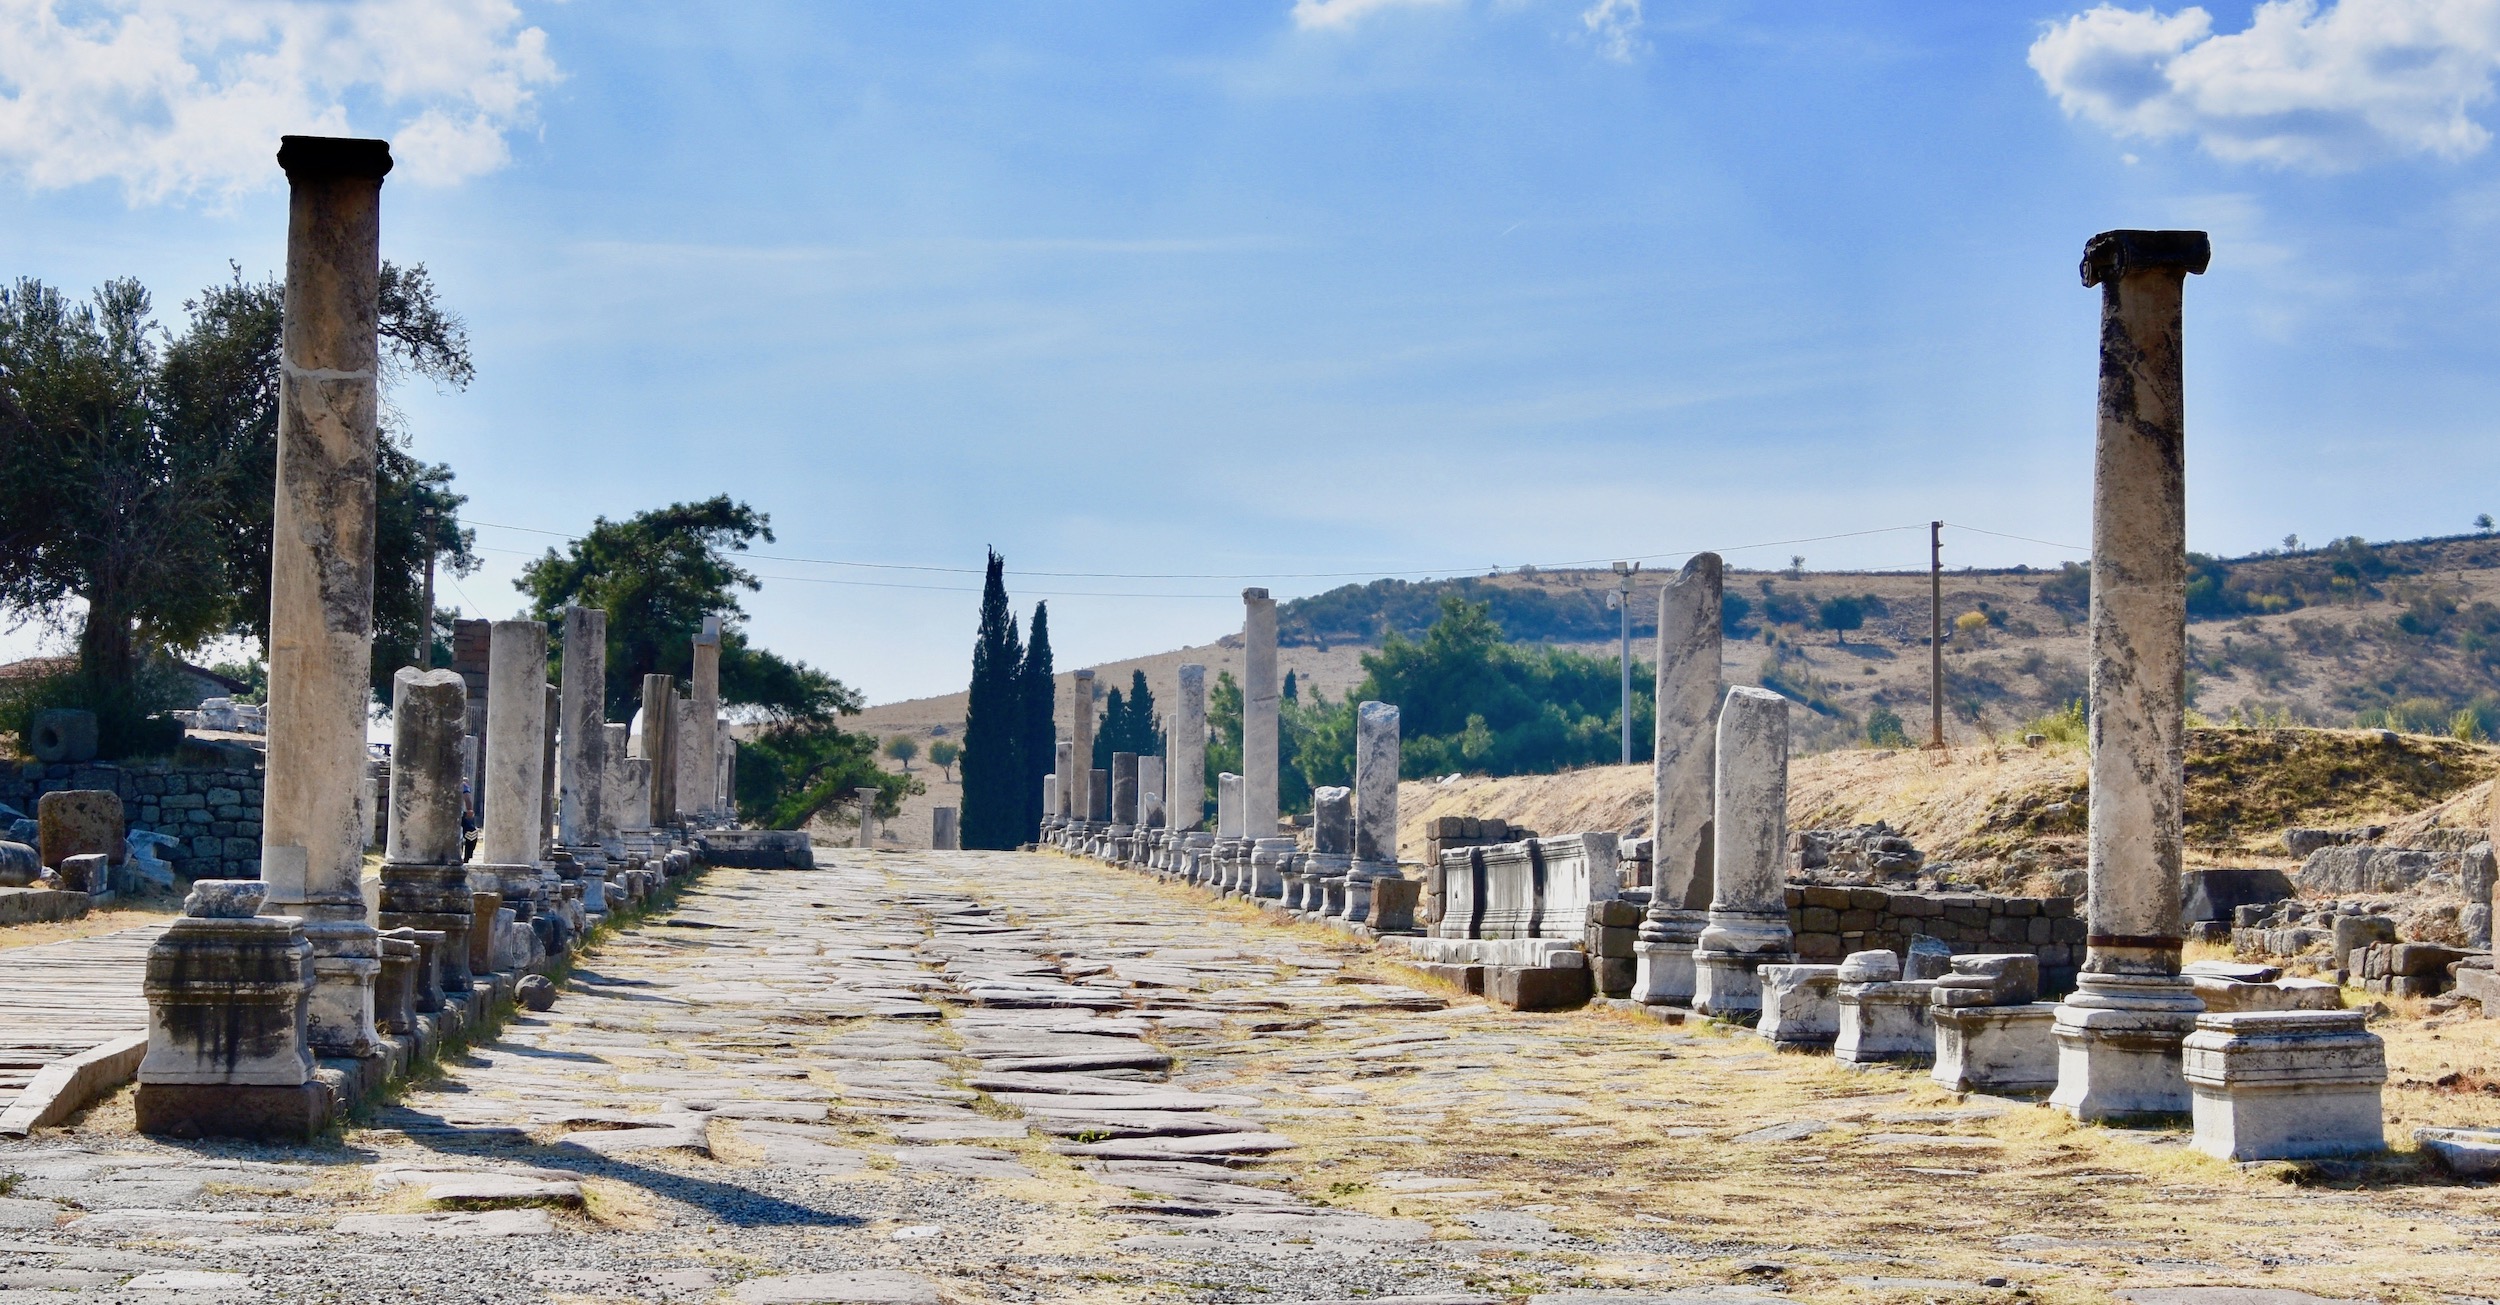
{"x": 1624, "y": 571}
{"x": 425, "y": 616}
{"x": 1935, "y": 634}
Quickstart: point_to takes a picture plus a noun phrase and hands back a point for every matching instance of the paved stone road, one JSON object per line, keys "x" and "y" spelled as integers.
{"x": 996, "y": 1077}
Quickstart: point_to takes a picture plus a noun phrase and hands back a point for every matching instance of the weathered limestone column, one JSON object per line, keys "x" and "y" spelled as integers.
{"x": 424, "y": 883}
{"x": 1259, "y": 701}
{"x": 1056, "y": 807}
{"x": 867, "y": 815}
{"x": 516, "y": 724}
{"x": 1150, "y": 813}
{"x": 681, "y": 743}
{"x": 1074, "y": 781}
{"x": 703, "y": 741}
{"x": 1679, "y": 823}
{"x": 1185, "y": 802}
{"x": 1123, "y": 794}
{"x": 659, "y": 721}
{"x": 1376, "y": 756}
{"x": 1232, "y": 851}
{"x": 321, "y": 577}
{"x": 1332, "y": 848}
{"x": 579, "y": 817}
{"x": 945, "y": 830}
{"x": 1748, "y": 925}
{"x": 2119, "y": 1034}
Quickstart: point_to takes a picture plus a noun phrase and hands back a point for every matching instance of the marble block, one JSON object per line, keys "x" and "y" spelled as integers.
{"x": 1995, "y": 1048}
{"x": 1881, "y": 1023}
{"x": 1800, "y": 1005}
{"x": 2285, "y": 1085}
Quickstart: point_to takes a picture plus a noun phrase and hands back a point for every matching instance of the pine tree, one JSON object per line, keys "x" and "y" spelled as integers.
{"x": 1112, "y": 734}
{"x": 1038, "y": 732}
{"x": 991, "y": 761}
{"x": 1145, "y": 734}
{"x": 1293, "y": 689}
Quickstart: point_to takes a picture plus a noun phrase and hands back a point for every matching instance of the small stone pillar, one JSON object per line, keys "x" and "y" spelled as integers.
{"x": 1123, "y": 796}
{"x": 623, "y": 804}
{"x": 1332, "y": 844}
{"x": 681, "y": 747}
{"x": 1883, "y": 1017}
{"x": 1993, "y": 1033}
{"x": 1150, "y": 814}
{"x": 424, "y": 884}
{"x": 1081, "y": 748}
{"x": 1062, "y": 787}
{"x": 1748, "y": 925}
{"x": 1185, "y": 800}
{"x": 1376, "y": 759}
{"x": 659, "y": 728}
{"x": 1231, "y": 850}
{"x": 553, "y": 712}
{"x": 321, "y": 576}
{"x": 702, "y": 744}
{"x": 2286, "y": 1085}
{"x": 516, "y": 724}
{"x": 1098, "y": 796}
{"x": 867, "y": 815}
{"x": 945, "y": 830}
{"x": 1050, "y": 805}
{"x": 2119, "y": 1034}
{"x": 1680, "y": 808}
{"x": 579, "y": 815}
{"x": 1260, "y": 700}
{"x": 229, "y": 1039}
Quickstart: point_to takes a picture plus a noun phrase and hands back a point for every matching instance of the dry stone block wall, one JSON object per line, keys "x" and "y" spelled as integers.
{"x": 214, "y": 809}
{"x": 1830, "y": 923}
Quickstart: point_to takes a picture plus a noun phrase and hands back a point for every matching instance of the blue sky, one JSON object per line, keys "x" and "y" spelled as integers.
{"x": 1260, "y": 290}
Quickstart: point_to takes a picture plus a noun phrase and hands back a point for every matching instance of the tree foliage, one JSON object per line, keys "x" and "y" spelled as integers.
{"x": 1128, "y": 723}
{"x": 1037, "y": 706}
{"x": 657, "y": 574}
{"x": 992, "y": 762}
{"x": 796, "y": 770}
{"x": 141, "y": 468}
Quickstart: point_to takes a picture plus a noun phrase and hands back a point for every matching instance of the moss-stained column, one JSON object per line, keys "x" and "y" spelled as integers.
{"x": 2119, "y": 1034}
{"x": 321, "y": 576}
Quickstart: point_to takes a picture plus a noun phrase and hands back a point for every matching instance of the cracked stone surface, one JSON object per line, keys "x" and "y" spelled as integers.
{"x": 1013, "y": 1077}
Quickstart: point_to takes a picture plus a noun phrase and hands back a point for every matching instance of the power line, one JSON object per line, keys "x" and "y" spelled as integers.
{"x": 943, "y": 589}
{"x": 2071, "y": 548}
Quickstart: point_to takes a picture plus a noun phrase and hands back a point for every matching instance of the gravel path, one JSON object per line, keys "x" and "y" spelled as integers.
{"x": 970, "y": 1077}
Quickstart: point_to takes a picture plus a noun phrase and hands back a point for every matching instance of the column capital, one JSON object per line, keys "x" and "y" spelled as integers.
{"x": 1254, "y": 595}
{"x": 2113, "y": 254}
{"x": 321, "y": 158}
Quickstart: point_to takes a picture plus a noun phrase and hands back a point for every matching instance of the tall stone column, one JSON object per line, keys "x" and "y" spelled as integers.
{"x": 1056, "y": 811}
{"x": 1376, "y": 756}
{"x": 1679, "y": 823}
{"x": 681, "y": 738}
{"x": 424, "y": 884}
{"x": 516, "y": 726}
{"x": 1123, "y": 793}
{"x": 1259, "y": 700}
{"x": 1232, "y": 851}
{"x": 321, "y": 576}
{"x": 2119, "y": 1035}
{"x": 659, "y": 721}
{"x": 945, "y": 830}
{"x": 867, "y": 815}
{"x": 1748, "y": 925}
{"x": 1150, "y": 798}
{"x": 1074, "y": 783}
{"x": 1185, "y": 801}
{"x": 703, "y": 741}
{"x": 579, "y": 817}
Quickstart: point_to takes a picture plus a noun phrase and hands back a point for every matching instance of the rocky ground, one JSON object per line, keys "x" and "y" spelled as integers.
{"x": 1012, "y": 1077}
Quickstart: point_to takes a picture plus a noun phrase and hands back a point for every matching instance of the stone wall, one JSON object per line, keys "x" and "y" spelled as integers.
{"x": 1832, "y": 922}
{"x": 210, "y": 801}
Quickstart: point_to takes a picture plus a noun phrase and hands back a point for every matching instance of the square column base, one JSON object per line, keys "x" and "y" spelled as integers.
{"x": 1800, "y": 1005}
{"x": 1728, "y": 987}
{"x": 1996, "y": 1048}
{"x": 2286, "y": 1085}
{"x": 255, "y": 1112}
{"x": 1884, "y": 1023}
{"x": 1663, "y": 965}
{"x": 2118, "y": 1041}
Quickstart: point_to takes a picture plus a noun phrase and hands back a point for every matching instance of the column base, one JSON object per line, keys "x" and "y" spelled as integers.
{"x": 1800, "y": 1005}
{"x": 346, "y": 962}
{"x": 2118, "y": 1048}
{"x": 1727, "y": 987}
{"x": 1663, "y": 960}
{"x": 2286, "y": 1085}
{"x": 255, "y": 1112}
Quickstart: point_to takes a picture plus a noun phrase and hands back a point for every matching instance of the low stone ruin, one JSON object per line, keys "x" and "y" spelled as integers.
{"x": 1853, "y": 855}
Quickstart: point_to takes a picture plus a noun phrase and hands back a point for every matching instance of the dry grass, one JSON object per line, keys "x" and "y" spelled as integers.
{"x": 112, "y": 917}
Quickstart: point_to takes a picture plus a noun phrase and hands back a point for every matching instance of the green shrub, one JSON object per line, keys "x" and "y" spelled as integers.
{"x": 2070, "y": 724}
{"x": 1884, "y": 730}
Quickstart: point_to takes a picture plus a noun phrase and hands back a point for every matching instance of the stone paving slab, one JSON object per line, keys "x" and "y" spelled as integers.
{"x": 797, "y": 1092}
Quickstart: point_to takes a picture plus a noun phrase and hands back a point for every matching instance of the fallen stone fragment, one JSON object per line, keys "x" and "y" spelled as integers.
{"x": 1169, "y": 1148}
{"x": 559, "y": 1187}
{"x": 537, "y": 993}
{"x": 456, "y": 1223}
{"x": 2463, "y": 1152}
{"x": 1796, "y": 1130}
{"x": 865, "y": 1287}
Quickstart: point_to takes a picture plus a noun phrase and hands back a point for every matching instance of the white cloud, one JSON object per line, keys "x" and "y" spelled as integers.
{"x": 2302, "y": 86}
{"x": 188, "y": 97}
{"x": 1312, "y": 14}
{"x": 1616, "y": 26}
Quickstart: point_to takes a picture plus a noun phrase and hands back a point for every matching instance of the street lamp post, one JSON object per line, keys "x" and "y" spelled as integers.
{"x": 1624, "y": 571}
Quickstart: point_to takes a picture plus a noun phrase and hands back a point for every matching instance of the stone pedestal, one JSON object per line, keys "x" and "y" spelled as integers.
{"x": 1748, "y": 925}
{"x": 321, "y": 576}
{"x": 1885, "y": 1023}
{"x": 1800, "y": 1005}
{"x": 1997, "y": 1049}
{"x": 485, "y": 907}
{"x": 1267, "y": 858}
{"x": 2286, "y": 1085}
{"x": 1393, "y": 904}
{"x": 1681, "y": 851}
{"x": 229, "y": 1035}
{"x": 2119, "y": 1034}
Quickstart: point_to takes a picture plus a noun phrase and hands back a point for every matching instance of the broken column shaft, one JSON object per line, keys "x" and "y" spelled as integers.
{"x": 1748, "y": 925}
{"x": 1680, "y": 845}
{"x": 1259, "y": 703}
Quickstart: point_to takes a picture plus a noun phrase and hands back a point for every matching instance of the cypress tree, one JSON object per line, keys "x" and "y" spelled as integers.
{"x": 991, "y": 760}
{"x": 1112, "y": 735}
{"x": 1037, "y": 705}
